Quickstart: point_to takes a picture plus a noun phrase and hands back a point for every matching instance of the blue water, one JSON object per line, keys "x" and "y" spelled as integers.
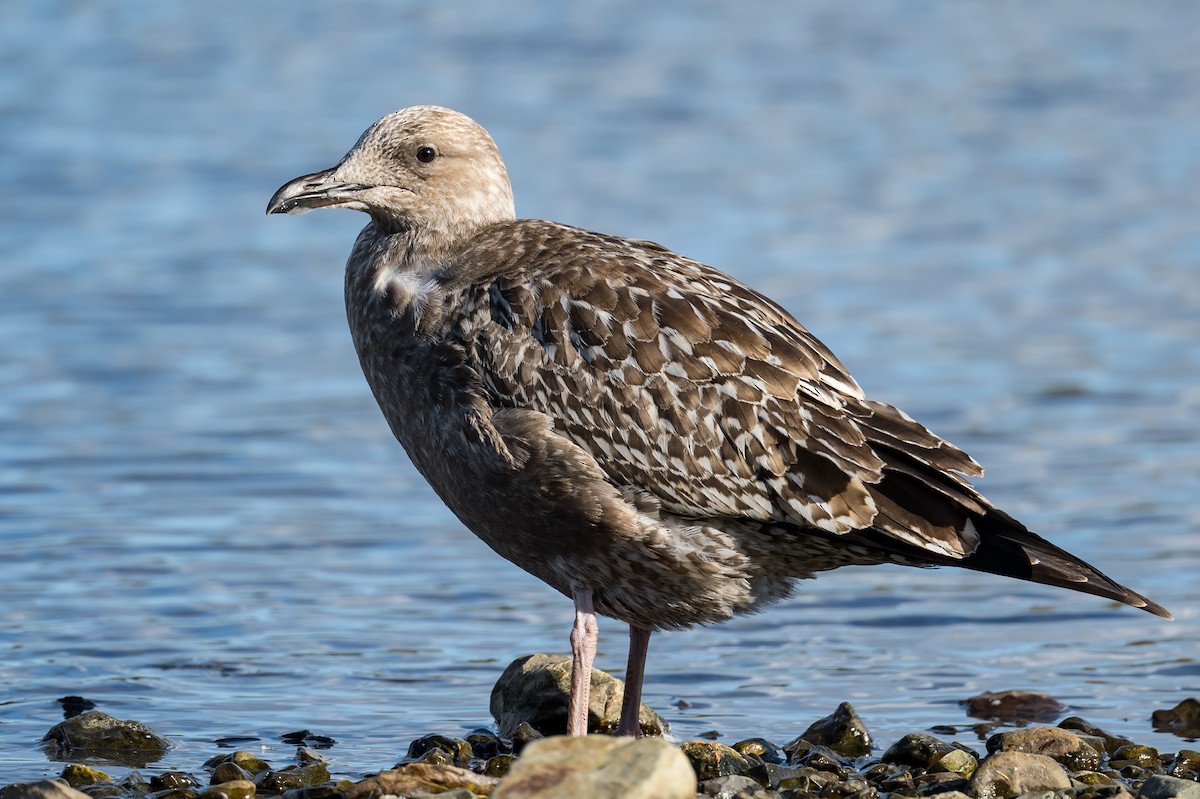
{"x": 990, "y": 213}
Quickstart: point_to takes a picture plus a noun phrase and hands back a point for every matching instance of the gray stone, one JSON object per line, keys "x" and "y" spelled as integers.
{"x": 537, "y": 688}
{"x": 734, "y": 786}
{"x": 98, "y": 736}
{"x": 599, "y": 767}
{"x": 1005, "y": 775}
{"x": 43, "y": 789}
{"x": 1064, "y": 746}
{"x": 1163, "y": 787}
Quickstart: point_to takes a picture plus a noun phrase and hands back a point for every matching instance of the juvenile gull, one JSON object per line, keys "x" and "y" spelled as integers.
{"x": 646, "y": 434}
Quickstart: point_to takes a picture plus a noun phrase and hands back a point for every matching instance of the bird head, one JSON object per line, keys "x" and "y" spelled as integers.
{"x": 425, "y": 169}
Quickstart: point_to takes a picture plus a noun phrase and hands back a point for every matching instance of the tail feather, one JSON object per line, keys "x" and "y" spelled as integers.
{"x": 1007, "y": 548}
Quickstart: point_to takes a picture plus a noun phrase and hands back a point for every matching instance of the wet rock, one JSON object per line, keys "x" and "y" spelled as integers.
{"x": 916, "y": 749}
{"x": 43, "y": 789}
{"x": 1182, "y": 720}
{"x": 1009, "y": 774}
{"x": 1014, "y": 706}
{"x": 808, "y": 782}
{"x": 537, "y": 688}
{"x": 956, "y": 761}
{"x": 759, "y": 748}
{"x": 248, "y": 763}
{"x": 458, "y": 751}
{"x": 485, "y": 744}
{"x": 524, "y": 736}
{"x": 950, "y": 795}
{"x": 419, "y": 779}
{"x": 173, "y": 781}
{"x": 734, "y": 786}
{"x": 78, "y": 775}
{"x": 599, "y": 767}
{"x": 842, "y": 731}
{"x": 1135, "y": 755}
{"x": 710, "y": 759}
{"x": 498, "y": 765}
{"x": 1186, "y": 765}
{"x": 1111, "y": 742}
{"x": 822, "y": 758}
{"x": 1062, "y": 745}
{"x": 293, "y": 777}
{"x": 940, "y": 782}
{"x": 234, "y": 789}
{"x": 229, "y": 772}
{"x": 1161, "y": 786}
{"x": 97, "y": 736}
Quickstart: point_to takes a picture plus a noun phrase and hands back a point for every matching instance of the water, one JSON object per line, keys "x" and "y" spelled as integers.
{"x": 990, "y": 215}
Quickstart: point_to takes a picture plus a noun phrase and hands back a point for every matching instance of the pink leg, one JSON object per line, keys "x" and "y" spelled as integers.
{"x": 583, "y": 650}
{"x": 631, "y": 705}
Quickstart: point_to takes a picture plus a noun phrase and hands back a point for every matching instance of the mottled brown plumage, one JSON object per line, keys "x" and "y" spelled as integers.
{"x": 643, "y": 432}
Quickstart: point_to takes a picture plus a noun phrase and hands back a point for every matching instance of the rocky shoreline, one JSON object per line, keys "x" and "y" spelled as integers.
{"x": 835, "y": 758}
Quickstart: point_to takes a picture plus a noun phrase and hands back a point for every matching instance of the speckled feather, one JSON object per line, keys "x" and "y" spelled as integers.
{"x": 612, "y": 416}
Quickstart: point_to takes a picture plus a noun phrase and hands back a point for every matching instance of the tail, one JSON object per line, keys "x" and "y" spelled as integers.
{"x": 1008, "y": 549}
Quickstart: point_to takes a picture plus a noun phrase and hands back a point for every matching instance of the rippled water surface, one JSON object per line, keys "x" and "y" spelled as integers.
{"x": 990, "y": 213}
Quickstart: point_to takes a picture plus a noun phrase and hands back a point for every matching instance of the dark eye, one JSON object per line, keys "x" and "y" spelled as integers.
{"x": 426, "y": 154}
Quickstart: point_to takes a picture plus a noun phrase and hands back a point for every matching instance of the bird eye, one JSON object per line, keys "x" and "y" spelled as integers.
{"x": 426, "y": 154}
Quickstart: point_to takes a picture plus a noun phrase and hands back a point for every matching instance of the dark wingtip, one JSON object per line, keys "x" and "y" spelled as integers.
{"x": 1139, "y": 601}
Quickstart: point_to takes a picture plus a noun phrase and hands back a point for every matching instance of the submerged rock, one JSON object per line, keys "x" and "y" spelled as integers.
{"x": 98, "y": 736}
{"x": 1014, "y": 706}
{"x": 537, "y": 688}
{"x": 1008, "y": 774}
{"x": 1182, "y": 720}
{"x": 599, "y": 767}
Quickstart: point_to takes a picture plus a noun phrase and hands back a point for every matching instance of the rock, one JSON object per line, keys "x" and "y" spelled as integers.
{"x": 710, "y": 759}
{"x": 419, "y": 779}
{"x": 1134, "y": 755}
{"x": 956, "y": 762}
{"x": 1182, "y": 720}
{"x": 1062, "y": 745}
{"x": 950, "y": 795}
{"x": 759, "y": 748}
{"x": 234, "y": 789}
{"x": 599, "y": 767}
{"x": 1009, "y": 774}
{"x": 734, "y": 786}
{"x": 1186, "y": 765}
{"x": 916, "y": 749}
{"x": 537, "y": 688}
{"x": 42, "y": 789}
{"x": 1161, "y": 786}
{"x": 293, "y": 777}
{"x": 1014, "y": 706}
{"x": 459, "y": 751}
{"x": 1111, "y": 742}
{"x": 77, "y": 776}
{"x": 485, "y": 744}
{"x": 97, "y": 736}
{"x": 247, "y": 762}
{"x": 822, "y": 758}
{"x": 842, "y": 731}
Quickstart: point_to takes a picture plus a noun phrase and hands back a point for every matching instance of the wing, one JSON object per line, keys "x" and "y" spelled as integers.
{"x": 686, "y": 384}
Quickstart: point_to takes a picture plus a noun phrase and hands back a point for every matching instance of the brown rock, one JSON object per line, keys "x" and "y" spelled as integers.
{"x": 537, "y": 688}
{"x": 1062, "y": 745}
{"x": 599, "y": 767}
{"x": 420, "y": 779}
{"x": 1014, "y": 706}
{"x": 1008, "y": 774}
{"x": 1182, "y": 720}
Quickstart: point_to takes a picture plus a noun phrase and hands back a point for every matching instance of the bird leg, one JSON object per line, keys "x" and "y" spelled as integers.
{"x": 583, "y": 652}
{"x": 635, "y": 670}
